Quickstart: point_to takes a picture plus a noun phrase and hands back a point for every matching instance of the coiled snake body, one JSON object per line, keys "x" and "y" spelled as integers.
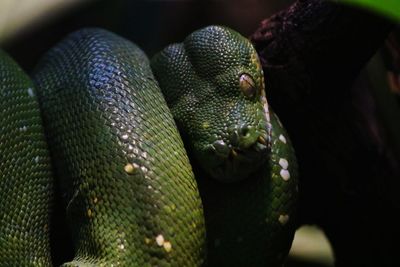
{"x": 128, "y": 189}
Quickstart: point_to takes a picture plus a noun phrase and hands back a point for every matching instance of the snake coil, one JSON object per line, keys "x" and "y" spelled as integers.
{"x": 130, "y": 195}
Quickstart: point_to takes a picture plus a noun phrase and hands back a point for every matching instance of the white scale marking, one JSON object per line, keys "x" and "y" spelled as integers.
{"x": 160, "y": 240}
{"x": 30, "y": 92}
{"x": 284, "y": 163}
{"x": 285, "y": 174}
{"x": 282, "y": 138}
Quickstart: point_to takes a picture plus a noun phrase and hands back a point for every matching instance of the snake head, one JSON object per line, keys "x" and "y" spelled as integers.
{"x": 214, "y": 85}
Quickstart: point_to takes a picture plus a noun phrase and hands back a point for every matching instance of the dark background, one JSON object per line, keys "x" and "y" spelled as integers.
{"x": 150, "y": 24}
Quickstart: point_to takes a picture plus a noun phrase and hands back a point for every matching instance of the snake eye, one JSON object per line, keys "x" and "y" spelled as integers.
{"x": 247, "y": 85}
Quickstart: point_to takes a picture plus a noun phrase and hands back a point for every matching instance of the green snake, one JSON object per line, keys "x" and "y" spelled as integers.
{"x": 134, "y": 193}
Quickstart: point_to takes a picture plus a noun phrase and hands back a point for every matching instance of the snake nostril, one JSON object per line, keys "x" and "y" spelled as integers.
{"x": 244, "y": 131}
{"x": 242, "y": 136}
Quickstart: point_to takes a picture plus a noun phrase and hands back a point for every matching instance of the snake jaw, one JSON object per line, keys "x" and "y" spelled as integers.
{"x": 221, "y": 149}
{"x": 260, "y": 147}
{"x": 229, "y": 163}
{"x": 262, "y": 140}
{"x": 234, "y": 153}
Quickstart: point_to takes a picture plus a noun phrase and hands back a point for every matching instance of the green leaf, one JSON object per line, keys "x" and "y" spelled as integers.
{"x": 389, "y": 8}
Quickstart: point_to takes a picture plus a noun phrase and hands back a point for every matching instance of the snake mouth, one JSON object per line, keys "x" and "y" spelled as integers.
{"x": 232, "y": 163}
{"x": 258, "y": 147}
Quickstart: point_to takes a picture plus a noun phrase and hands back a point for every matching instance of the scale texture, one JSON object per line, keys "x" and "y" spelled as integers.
{"x": 250, "y": 221}
{"x": 128, "y": 188}
{"x": 25, "y": 172}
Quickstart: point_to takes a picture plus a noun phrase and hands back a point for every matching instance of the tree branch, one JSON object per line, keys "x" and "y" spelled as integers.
{"x": 311, "y": 53}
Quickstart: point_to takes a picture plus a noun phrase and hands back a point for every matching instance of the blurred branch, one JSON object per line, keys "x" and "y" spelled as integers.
{"x": 390, "y": 8}
{"x": 18, "y": 16}
{"x": 311, "y": 245}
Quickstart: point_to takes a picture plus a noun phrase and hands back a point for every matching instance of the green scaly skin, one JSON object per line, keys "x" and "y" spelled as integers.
{"x": 25, "y": 172}
{"x": 249, "y": 221}
{"x": 128, "y": 188}
{"x": 129, "y": 191}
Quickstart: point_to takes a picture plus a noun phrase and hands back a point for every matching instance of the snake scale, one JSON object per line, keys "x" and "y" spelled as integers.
{"x": 103, "y": 124}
